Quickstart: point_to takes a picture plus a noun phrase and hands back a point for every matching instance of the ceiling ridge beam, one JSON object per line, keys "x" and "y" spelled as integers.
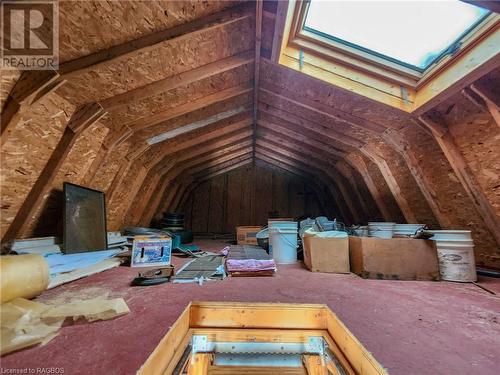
{"x": 148, "y": 42}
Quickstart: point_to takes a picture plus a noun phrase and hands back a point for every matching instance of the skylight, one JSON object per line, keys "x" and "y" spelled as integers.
{"x": 414, "y": 33}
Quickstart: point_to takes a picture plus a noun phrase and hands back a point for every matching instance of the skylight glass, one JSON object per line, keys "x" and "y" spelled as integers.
{"x": 412, "y": 32}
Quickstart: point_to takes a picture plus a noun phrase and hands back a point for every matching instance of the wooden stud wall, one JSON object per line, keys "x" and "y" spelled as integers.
{"x": 192, "y": 63}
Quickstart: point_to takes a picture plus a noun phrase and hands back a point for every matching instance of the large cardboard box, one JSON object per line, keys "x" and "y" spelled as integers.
{"x": 323, "y": 253}
{"x": 246, "y": 235}
{"x": 394, "y": 259}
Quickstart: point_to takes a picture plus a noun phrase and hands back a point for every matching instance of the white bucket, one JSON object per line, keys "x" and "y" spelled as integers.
{"x": 283, "y": 241}
{"x": 452, "y": 235}
{"x": 381, "y": 230}
{"x": 456, "y": 262}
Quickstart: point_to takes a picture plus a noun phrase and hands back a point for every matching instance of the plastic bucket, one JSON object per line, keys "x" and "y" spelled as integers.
{"x": 456, "y": 262}
{"x": 283, "y": 241}
{"x": 452, "y": 235}
{"x": 381, "y": 230}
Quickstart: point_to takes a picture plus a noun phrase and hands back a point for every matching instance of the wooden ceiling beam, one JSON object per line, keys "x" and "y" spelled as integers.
{"x": 163, "y": 116}
{"x": 116, "y": 53}
{"x": 463, "y": 172}
{"x": 179, "y": 80}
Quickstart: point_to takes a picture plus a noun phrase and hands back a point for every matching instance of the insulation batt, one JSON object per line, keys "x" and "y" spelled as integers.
{"x": 24, "y": 276}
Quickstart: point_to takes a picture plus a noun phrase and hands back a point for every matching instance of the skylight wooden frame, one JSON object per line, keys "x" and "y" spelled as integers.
{"x": 383, "y": 79}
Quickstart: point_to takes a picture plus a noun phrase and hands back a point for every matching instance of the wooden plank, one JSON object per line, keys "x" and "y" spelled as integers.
{"x": 170, "y": 348}
{"x": 199, "y": 364}
{"x": 314, "y": 364}
{"x": 116, "y": 53}
{"x": 465, "y": 176}
{"x": 178, "y": 80}
{"x": 43, "y": 184}
{"x": 257, "y": 315}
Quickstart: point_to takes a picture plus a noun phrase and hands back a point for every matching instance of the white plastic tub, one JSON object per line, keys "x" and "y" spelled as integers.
{"x": 283, "y": 241}
{"x": 453, "y": 235}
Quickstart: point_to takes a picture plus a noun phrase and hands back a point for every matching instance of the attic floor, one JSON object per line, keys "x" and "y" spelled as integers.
{"x": 410, "y": 327}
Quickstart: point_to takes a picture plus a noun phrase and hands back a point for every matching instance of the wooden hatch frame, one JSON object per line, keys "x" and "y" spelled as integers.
{"x": 259, "y": 322}
{"x": 378, "y": 78}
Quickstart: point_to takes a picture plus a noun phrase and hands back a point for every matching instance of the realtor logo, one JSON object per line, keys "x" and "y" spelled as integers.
{"x": 30, "y": 35}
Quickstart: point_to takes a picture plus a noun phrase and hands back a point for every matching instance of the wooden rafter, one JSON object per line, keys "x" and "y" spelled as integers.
{"x": 463, "y": 173}
{"x": 31, "y": 87}
{"x": 178, "y": 80}
{"x": 79, "y": 121}
{"x": 114, "y": 54}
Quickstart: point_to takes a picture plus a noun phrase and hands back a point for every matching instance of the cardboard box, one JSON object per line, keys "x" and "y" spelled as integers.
{"x": 393, "y": 259}
{"x": 326, "y": 254}
{"x": 246, "y": 235}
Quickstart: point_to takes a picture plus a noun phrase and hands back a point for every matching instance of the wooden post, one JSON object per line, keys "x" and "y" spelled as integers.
{"x": 464, "y": 174}
{"x": 81, "y": 120}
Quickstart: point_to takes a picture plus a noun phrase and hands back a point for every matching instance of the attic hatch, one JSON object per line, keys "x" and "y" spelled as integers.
{"x": 393, "y": 29}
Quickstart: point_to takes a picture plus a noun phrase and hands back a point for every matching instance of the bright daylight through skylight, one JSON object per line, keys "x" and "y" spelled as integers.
{"x": 413, "y": 32}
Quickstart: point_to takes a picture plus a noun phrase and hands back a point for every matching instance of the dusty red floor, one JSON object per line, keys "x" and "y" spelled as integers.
{"x": 410, "y": 327}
